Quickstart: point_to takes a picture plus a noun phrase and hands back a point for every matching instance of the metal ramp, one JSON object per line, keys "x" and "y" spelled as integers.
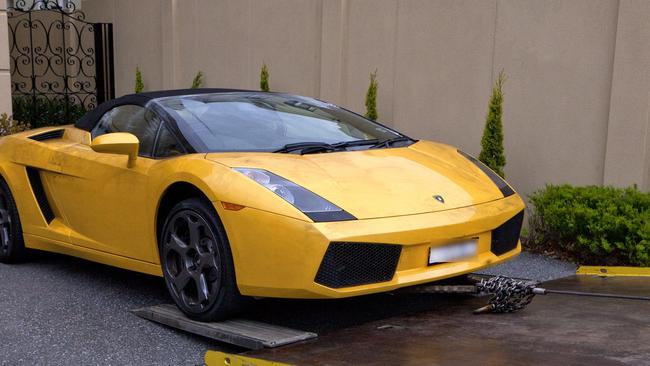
{"x": 240, "y": 332}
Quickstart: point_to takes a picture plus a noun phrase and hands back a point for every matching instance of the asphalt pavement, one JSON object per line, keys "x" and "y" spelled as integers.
{"x": 58, "y": 310}
{"x": 553, "y": 330}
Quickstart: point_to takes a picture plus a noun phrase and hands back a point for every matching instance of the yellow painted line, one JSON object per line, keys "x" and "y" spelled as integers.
{"x": 216, "y": 358}
{"x": 613, "y": 271}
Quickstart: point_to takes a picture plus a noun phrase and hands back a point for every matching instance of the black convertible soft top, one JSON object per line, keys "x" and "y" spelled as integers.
{"x": 90, "y": 119}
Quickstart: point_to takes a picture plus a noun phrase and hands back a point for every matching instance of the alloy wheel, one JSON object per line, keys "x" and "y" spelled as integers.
{"x": 191, "y": 260}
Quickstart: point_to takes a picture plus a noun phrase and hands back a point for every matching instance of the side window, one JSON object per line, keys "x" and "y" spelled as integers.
{"x": 134, "y": 119}
{"x": 168, "y": 145}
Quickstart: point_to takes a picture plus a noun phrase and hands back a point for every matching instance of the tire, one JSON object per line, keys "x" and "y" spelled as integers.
{"x": 197, "y": 263}
{"x": 12, "y": 245}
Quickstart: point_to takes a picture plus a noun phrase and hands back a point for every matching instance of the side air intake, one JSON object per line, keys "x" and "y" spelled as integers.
{"x": 39, "y": 192}
{"x": 49, "y": 135}
{"x": 506, "y": 236}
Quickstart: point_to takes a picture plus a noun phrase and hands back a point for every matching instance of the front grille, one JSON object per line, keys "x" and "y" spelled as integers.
{"x": 353, "y": 264}
{"x": 506, "y": 236}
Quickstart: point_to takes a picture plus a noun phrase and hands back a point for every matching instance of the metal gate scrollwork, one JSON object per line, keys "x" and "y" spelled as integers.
{"x": 61, "y": 64}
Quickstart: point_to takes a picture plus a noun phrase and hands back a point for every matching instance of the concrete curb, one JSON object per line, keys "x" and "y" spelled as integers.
{"x": 605, "y": 271}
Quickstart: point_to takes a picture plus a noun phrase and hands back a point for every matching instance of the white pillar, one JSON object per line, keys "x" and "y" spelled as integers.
{"x": 5, "y": 76}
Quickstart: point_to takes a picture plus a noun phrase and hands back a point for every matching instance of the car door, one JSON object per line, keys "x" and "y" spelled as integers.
{"x": 107, "y": 205}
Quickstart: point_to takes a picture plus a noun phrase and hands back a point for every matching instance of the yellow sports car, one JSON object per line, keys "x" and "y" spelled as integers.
{"x": 232, "y": 194}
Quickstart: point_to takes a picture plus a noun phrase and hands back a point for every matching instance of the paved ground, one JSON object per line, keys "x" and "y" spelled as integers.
{"x": 60, "y": 310}
{"x": 553, "y": 330}
{"x": 533, "y": 266}
{"x": 57, "y": 310}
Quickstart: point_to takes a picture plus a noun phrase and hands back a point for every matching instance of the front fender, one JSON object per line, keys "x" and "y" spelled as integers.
{"x": 220, "y": 184}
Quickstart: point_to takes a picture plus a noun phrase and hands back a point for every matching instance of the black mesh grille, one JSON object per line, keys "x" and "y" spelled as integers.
{"x": 506, "y": 236}
{"x": 353, "y": 264}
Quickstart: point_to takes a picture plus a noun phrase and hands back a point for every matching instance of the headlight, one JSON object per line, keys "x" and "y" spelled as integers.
{"x": 314, "y": 206}
{"x": 500, "y": 183}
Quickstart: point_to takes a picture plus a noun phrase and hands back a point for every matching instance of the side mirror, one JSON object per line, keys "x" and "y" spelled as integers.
{"x": 121, "y": 143}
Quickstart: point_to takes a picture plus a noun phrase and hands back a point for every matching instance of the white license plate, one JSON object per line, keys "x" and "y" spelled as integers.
{"x": 453, "y": 252}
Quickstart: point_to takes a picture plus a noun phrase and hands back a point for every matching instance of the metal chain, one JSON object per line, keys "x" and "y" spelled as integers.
{"x": 510, "y": 295}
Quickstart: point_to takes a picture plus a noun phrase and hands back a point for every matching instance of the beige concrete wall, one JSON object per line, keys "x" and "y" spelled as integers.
{"x": 628, "y": 158}
{"x": 558, "y": 55}
{"x": 577, "y": 95}
{"x": 5, "y": 77}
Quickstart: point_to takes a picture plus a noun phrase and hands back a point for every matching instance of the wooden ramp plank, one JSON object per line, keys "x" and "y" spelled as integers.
{"x": 240, "y": 332}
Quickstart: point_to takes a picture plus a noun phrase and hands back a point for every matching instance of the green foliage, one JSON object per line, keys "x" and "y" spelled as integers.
{"x": 264, "y": 78}
{"x": 8, "y": 126}
{"x": 371, "y": 97}
{"x": 41, "y": 111}
{"x": 492, "y": 153}
{"x": 139, "y": 84}
{"x": 592, "y": 225}
{"x": 197, "y": 82}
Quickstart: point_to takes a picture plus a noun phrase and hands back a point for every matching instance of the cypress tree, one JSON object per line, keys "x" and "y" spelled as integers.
{"x": 371, "y": 98}
{"x": 264, "y": 78}
{"x": 139, "y": 85}
{"x": 492, "y": 153}
{"x": 197, "y": 82}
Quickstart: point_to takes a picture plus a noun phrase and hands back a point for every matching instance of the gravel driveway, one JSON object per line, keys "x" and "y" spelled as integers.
{"x": 533, "y": 266}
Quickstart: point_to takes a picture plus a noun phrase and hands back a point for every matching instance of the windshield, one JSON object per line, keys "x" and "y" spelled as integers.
{"x": 265, "y": 122}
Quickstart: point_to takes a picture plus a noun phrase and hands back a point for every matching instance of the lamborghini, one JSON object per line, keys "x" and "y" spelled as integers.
{"x": 232, "y": 194}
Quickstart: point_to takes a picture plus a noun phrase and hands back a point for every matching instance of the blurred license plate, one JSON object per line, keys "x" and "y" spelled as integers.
{"x": 453, "y": 252}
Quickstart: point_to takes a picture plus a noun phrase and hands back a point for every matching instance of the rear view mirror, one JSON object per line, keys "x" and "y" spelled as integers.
{"x": 121, "y": 143}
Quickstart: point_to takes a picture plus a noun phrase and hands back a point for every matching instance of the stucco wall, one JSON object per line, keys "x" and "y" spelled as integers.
{"x": 577, "y": 95}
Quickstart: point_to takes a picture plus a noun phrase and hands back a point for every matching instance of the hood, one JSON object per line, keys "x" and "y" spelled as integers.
{"x": 380, "y": 182}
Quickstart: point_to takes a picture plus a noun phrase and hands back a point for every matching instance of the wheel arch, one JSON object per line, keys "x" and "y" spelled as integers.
{"x": 3, "y": 171}
{"x": 174, "y": 193}
{"x": 3, "y": 174}
{"x": 8, "y": 169}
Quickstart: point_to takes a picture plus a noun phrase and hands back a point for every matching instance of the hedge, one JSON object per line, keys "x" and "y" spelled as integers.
{"x": 9, "y": 126}
{"x": 592, "y": 225}
{"x": 42, "y": 111}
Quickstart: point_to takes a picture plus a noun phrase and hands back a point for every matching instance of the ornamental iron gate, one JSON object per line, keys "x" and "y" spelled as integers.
{"x": 61, "y": 65}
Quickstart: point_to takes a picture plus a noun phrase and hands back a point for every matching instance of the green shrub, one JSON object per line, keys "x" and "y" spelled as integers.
{"x": 264, "y": 78}
{"x": 41, "y": 111}
{"x": 197, "y": 82}
{"x": 139, "y": 84}
{"x": 492, "y": 153}
{"x": 592, "y": 225}
{"x": 8, "y": 126}
{"x": 371, "y": 98}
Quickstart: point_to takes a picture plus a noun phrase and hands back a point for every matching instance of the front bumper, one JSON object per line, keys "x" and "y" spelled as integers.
{"x": 278, "y": 256}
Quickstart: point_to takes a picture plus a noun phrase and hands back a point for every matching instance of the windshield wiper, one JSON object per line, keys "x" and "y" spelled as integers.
{"x": 315, "y": 147}
{"x": 305, "y": 146}
{"x": 391, "y": 141}
{"x": 356, "y": 143}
